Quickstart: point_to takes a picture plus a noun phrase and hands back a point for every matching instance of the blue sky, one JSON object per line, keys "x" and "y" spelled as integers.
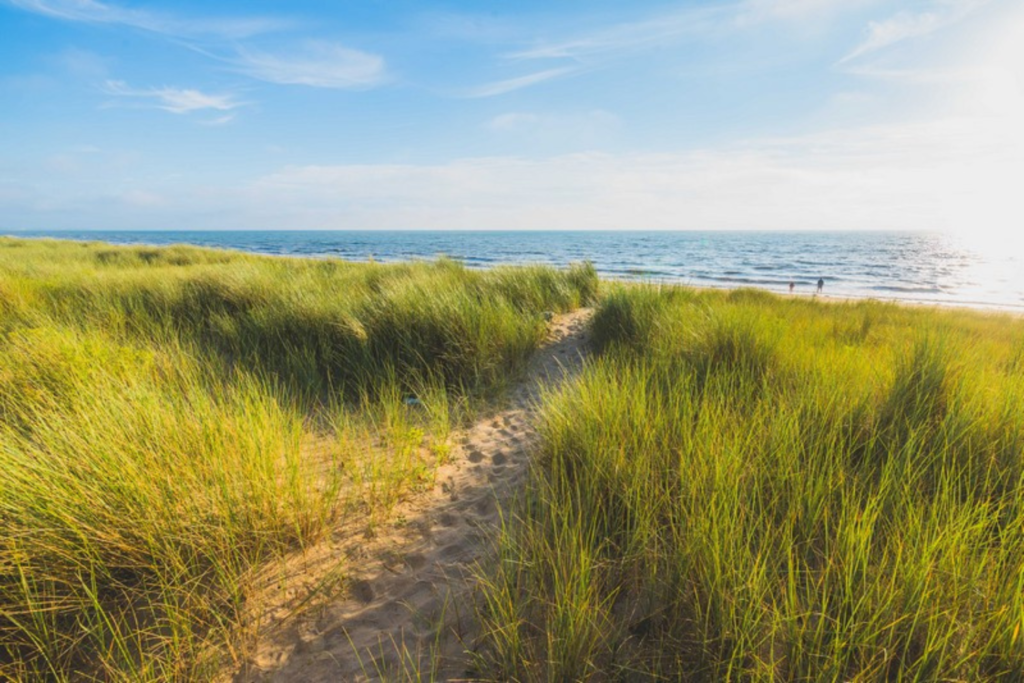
{"x": 748, "y": 114}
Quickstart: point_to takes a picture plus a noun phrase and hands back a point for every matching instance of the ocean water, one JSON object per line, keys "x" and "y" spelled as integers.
{"x": 918, "y": 267}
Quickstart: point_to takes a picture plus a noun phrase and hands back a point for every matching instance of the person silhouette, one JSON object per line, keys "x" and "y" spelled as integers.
{"x": 791, "y": 286}
{"x": 821, "y": 284}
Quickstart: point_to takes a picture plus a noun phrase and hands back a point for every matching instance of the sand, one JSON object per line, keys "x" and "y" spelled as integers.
{"x": 405, "y": 610}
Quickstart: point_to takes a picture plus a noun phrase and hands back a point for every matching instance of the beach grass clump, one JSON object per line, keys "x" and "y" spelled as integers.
{"x": 744, "y": 487}
{"x": 318, "y": 326}
{"x": 137, "y": 492}
{"x": 172, "y": 420}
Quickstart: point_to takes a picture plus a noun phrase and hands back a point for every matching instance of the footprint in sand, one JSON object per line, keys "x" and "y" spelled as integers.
{"x": 415, "y": 560}
{"x": 362, "y": 591}
{"x": 485, "y": 506}
{"x": 449, "y": 488}
{"x": 311, "y": 645}
{"x": 452, "y": 552}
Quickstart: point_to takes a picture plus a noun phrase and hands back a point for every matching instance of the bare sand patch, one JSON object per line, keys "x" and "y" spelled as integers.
{"x": 405, "y": 606}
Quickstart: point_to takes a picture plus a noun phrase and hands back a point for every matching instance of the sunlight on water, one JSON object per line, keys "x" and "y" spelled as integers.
{"x": 994, "y": 265}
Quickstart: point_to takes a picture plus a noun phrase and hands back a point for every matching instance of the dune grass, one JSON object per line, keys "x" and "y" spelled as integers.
{"x": 319, "y": 327}
{"x": 743, "y": 487}
{"x": 156, "y": 406}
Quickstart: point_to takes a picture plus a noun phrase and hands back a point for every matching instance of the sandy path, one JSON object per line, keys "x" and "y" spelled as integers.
{"x": 406, "y": 612}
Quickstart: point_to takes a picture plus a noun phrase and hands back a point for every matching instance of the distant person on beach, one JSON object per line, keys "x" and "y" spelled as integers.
{"x": 821, "y": 284}
{"x": 791, "y": 286}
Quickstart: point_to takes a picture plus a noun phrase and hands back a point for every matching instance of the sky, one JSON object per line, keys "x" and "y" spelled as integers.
{"x": 698, "y": 115}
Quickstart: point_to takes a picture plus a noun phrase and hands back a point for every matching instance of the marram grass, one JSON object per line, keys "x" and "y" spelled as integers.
{"x": 742, "y": 487}
{"x": 317, "y": 326}
{"x": 155, "y": 406}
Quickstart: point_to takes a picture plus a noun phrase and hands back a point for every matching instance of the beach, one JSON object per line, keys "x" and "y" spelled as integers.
{"x": 311, "y": 469}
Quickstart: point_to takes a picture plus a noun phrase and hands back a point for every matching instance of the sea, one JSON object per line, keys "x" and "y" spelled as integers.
{"x": 919, "y": 267}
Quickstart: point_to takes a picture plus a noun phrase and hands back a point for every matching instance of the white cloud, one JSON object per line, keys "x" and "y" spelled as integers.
{"x": 953, "y": 174}
{"x": 517, "y": 83}
{"x": 905, "y": 26}
{"x": 94, "y": 12}
{"x": 315, "y": 63}
{"x": 174, "y": 100}
{"x": 976, "y": 70}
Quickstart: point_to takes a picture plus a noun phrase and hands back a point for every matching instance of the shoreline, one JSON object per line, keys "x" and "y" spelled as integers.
{"x": 980, "y": 306}
{"x": 842, "y": 296}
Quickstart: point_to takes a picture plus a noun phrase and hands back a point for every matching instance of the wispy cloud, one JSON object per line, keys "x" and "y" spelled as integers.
{"x": 94, "y": 12}
{"x": 318, "y": 64}
{"x": 905, "y": 26}
{"x": 219, "y": 121}
{"x": 82, "y": 63}
{"x": 174, "y": 100}
{"x": 626, "y": 36}
{"x": 512, "y": 121}
{"x": 586, "y": 50}
{"x": 560, "y": 129}
{"x": 754, "y": 11}
{"x": 606, "y": 44}
{"x": 511, "y": 84}
{"x": 592, "y": 123}
{"x": 679, "y": 24}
